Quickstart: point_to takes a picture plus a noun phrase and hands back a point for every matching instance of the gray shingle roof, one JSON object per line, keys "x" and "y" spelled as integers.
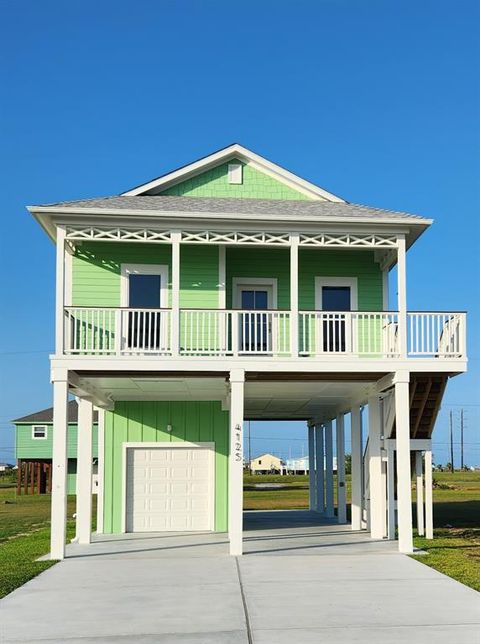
{"x": 46, "y": 415}
{"x": 324, "y": 210}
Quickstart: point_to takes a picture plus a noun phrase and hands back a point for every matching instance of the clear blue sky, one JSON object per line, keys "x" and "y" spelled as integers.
{"x": 377, "y": 101}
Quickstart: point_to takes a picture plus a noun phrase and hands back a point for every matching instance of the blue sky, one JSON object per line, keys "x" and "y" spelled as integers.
{"x": 377, "y": 101}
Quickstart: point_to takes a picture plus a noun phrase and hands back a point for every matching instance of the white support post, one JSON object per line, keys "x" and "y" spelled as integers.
{"x": 312, "y": 467}
{"x": 385, "y": 289}
{"x": 60, "y": 291}
{"x": 329, "y": 510}
{"x": 100, "y": 468}
{"x": 341, "y": 489}
{"x": 428, "y": 495}
{"x": 294, "y": 242}
{"x": 391, "y": 516}
{"x": 59, "y": 474}
{"x": 404, "y": 476}
{"x": 402, "y": 295}
{"x": 84, "y": 471}
{"x": 319, "y": 469}
{"x": 357, "y": 455}
{"x": 377, "y": 491}
{"x": 222, "y": 279}
{"x": 175, "y": 335}
{"x": 419, "y": 486}
{"x": 235, "y": 470}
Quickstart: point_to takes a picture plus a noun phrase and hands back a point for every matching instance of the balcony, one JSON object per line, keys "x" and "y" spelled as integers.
{"x": 269, "y": 333}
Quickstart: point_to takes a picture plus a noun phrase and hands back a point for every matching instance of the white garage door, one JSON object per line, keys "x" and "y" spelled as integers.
{"x": 169, "y": 488}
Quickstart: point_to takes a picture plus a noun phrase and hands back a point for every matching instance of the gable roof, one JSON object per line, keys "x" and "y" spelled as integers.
{"x": 234, "y": 151}
{"x": 46, "y": 415}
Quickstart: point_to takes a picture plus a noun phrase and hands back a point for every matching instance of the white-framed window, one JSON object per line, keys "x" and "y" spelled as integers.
{"x": 235, "y": 173}
{"x": 39, "y": 432}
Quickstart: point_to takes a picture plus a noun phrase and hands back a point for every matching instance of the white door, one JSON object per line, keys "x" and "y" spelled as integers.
{"x": 169, "y": 488}
{"x": 255, "y": 326}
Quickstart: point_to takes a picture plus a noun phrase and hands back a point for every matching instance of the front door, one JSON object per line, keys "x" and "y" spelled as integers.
{"x": 335, "y": 325}
{"x": 255, "y": 328}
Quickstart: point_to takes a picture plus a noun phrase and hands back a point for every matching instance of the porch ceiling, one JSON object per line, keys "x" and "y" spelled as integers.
{"x": 282, "y": 400}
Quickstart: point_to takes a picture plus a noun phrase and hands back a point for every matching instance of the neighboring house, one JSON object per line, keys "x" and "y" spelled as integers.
{"x": 300, "y": 465}
{"x": 5, "y": 467}
{"x": 266, "y": 464}
{"x": 33, "y": 450}
{"x": 232, "y": 289}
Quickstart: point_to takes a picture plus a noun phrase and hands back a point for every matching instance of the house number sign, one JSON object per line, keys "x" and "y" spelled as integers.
{"x": 238, "y": 443}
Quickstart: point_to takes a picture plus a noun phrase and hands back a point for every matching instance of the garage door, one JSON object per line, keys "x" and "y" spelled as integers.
{"x": 169, "y": 489}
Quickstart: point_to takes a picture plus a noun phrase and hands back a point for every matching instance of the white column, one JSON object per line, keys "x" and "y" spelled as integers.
{"x": 84, "y": 471}
{"x": 59, "y": 474}
{"x": 312, "y": 468}
{"x": 222, "y": 279}
{"x": 235, "y": 470}
{"x": 402, "y": 295}
{"x": 404, "y": 476}
{"x": 294, "y": 241}
{"x": 341, "y": 489}
{"x": 100, "y": 468}
{"x": 329, "y": 511}
{"x": 419, "y": 486}
{"x": 377, "y": 491}
{"x": 319, "y": 469}
{"x": 176, "y": 237}
{"x": 357, "y": 456}
{"x": 60, "y": 291}
{"x": 391, "y": 493}
{"x": 428, "y": 495}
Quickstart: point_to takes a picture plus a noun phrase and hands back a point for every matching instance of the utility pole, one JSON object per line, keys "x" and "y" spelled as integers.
{"x": 451, "y": 441}
{"x": 461, "y": 440}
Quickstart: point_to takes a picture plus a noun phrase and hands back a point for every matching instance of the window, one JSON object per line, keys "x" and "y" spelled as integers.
{"x": 235, "y": 173}
{"x": 39, "y": 432}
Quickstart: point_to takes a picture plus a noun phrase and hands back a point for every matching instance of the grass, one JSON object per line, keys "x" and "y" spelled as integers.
{"x": 455, "y": 550}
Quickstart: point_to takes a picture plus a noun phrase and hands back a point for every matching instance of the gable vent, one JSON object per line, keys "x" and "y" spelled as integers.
{"x": 235, "y": 174}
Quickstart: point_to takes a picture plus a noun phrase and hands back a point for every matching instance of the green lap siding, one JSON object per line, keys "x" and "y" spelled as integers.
{"x": 31, "y": 448}
{"x": 255, "y": 185}
{"x": 146, "y": 422}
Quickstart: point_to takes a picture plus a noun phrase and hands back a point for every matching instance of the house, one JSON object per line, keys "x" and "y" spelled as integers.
{"x": 266, "y": 464}
{"x": 300, "y": 465}
{"x": 232, "y": 289}
{"x": 5, "y": 467}
{"x": 33, "y": 451}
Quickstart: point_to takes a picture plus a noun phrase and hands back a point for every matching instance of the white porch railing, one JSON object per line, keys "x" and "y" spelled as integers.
{"x": 209, "y": 332}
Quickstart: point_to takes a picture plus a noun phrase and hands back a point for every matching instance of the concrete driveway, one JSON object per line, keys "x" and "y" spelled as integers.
{"x": 301, "y": 581}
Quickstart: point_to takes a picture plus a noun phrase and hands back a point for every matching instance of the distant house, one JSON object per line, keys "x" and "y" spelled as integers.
{"x": 266, "y": 464}
{"x": 5, "y": 467}
{"x": 33, "y": 451}
{"x": 301, "y": 465}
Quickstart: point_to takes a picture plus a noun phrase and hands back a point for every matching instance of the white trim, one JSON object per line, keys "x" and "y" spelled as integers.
{"x": 351, "y": 282}
{"x": 234, "y": 151}
{"x": 60, "y": 289}
{"x": 144, "y": 269}
{"x": 235, "y": 173}
{"x": 270, "y": 283}
{"x": 166, "y": 445}
{"x": 222, "y": 278}
{"x": 68, "y": 297}
{"x": 100, "y": 468}
{"x": 385, "y": 289}
{"x": 39, "y": 438}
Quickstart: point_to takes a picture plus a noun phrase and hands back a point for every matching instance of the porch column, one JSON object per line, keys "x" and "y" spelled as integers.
{"x": 100, "y": 468}
{"x": 175, "y": 335}
{"x": 428, "y": 495}
{"x": 404, "y": 475}
{"x": 391, "y": 518}
{"x": 419, "y": 490}
{"x": 357, "y": 457}
{"x": 312, "y": 467}
{"x": 60, "y": 290}
{"x": 59, "y": 475}
{"x": 294, "y": 241}
{"x": 329, "y": 511}
{"x": 319, "y": 469}
{"x": 84, "y": 471}
{"x": 377, "y": 490}
{"x": 402, "y": 295}
{"x": 235, "y": 470}
{"x": 341, "y": 490}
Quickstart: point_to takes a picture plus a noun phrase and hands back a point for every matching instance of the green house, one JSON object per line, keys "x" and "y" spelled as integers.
{"x": 232, "y": 289}
{"x": 33, "y": 451}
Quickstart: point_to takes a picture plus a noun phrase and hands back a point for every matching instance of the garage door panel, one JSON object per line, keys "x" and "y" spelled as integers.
{"x": 169, "y": 489}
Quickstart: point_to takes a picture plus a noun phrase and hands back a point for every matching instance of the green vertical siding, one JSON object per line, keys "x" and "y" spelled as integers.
{"x": 255, "y": 185}
{"x": 27, "y": 447}
{"x": 147, "y": 422}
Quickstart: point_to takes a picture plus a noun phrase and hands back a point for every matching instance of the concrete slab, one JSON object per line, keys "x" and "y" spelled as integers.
{"x": 304, "y": 580}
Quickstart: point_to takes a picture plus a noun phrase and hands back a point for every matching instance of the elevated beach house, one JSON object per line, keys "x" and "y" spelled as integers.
{"x": 226, "y": 290}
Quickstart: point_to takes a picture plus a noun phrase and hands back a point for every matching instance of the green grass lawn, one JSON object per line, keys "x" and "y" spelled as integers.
{"x": 455, "y": 550}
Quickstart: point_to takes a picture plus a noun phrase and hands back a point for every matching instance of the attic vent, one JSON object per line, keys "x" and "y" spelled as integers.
{"x": 235, "y": 173}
